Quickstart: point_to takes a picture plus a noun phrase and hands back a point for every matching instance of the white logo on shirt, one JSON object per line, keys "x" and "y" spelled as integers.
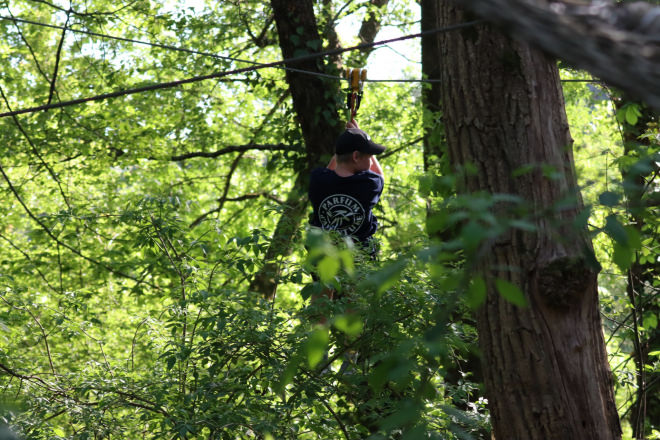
{"x": 341, "y": 213}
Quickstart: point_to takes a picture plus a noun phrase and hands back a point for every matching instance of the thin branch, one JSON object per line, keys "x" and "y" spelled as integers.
{"x": 83, "y": 14}
{"x": 336, "y": 417}
{"x": 254, "y": 196}
{"x": 43, "y": 334}
{"x": 182, "y": 277}
{"x": 57, "y": 240}
{"x": 35, "y": 150}
{"x": 234, "y": 164}
{"x": 27, "y": 43}
{"x": 36, "y": 266}
{"x": 233, "y": 149}
{"x": 58, "y": 55}
{"x": 31, "y": 379}
{"x": 402, "y": 147}
{"x": 41, "y": 327}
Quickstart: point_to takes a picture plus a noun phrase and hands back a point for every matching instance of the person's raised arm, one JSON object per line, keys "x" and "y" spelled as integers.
{"x": 375, "y": 166}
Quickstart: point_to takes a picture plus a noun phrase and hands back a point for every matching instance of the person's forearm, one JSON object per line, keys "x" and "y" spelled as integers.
{"x": 375, "y": 166}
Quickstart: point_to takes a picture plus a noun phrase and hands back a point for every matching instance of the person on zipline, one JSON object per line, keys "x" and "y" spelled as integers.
{"x": 344, "y": 193}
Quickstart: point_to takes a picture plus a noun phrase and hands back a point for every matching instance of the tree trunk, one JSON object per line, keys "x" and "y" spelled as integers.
{"x": 314, "y": 101}
{"x": 616, "y": 41}
{"x": 368, "y": 31}
{"x": 545, "y": 364}
{"x": 431, "y": 95}
{"x": 434, "y": 155}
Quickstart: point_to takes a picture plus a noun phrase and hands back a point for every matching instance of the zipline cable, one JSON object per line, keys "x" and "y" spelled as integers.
{"x": 159, "y": 45}
{"x": 223, "y": 57}
{"x": 216, "y": 75}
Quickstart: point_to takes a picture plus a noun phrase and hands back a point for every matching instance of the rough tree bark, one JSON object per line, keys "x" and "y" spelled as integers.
{"x": 545, "y": 365}
{"x": 434, "y": 156}
{"x": 617, "y": 41}
{"x": 431, "y": 95}
{"x": 314, "y": 101}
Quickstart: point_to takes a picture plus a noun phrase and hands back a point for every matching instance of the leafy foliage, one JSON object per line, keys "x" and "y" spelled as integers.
{"x": 131, "y": 229}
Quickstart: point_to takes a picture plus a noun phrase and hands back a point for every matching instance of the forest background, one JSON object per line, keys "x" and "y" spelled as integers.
{"x": 155, "y": 280}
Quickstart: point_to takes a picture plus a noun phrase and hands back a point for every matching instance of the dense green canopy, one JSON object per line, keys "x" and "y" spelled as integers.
{"x": 131, "y": 229}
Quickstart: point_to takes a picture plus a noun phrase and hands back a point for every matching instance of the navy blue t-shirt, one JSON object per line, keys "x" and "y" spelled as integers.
{"x": 344, "y": 204}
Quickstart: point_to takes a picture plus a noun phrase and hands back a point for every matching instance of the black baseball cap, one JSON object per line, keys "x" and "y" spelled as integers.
{"x": 354, "y": 139}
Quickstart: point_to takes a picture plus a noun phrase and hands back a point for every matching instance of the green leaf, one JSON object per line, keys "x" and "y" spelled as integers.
{"x": 387, "y": 276}
{"x": 328, "y": 268}
{"x": 349, "y": 324}
{"x": 380, "y": 375}
{"x": 511, "y": 292}
{"x": 316, "y": 346}
{"x": 650, "y": 321}
{"x": 472, "y": 234}
{"x": 310, "y": 290}
{"x": 582, "y": 218}
{"x": 476, "y": 293}
{"x": 289, "y": 373}
{"x": 522, "y": 225}
{"x": 608, "y": 198}
{"x": 616, "y": 230}
{"x": 632, "y": 114}
{"x": 347, "y": 261}
{"x": 425, "y": 183}
{"x": 634, "y": 238}
{"x": 622, "y": 256}
{"x": 521, "y": 171}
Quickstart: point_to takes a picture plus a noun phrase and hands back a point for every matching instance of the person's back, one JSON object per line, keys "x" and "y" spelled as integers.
{"x": 344, "y": 193}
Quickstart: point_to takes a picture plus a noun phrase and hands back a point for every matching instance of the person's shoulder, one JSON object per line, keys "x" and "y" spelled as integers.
{"x": 320, "y": 172}
{"x": 369, "y": 175}
{"x": 375, "y": 180}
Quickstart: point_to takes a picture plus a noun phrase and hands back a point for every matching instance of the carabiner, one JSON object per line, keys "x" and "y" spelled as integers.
{"x": 356, "y": 79}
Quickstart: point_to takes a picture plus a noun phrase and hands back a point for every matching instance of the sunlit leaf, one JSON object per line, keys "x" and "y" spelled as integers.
{"x": 511, "y": 292}
{"x": 476, "y": 294}
{"x": 316, "y": 346}
{"x": 328, "y": 267}
{"x": 349, "y": 324}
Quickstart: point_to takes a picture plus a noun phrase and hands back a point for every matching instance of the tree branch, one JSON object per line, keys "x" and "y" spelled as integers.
{"x": 264, "y": 194}
{"x": 242, "y": 151}
{"x": 58, "y": 54}
{"x": 35, "y": 264}
{"x": 27, "y": 378}
{"x": 619, "y": 43}
{"x": 223, "y": 198}
{"x": 35, "y": 150}
{"x": 233, "y": 149}
{"x": 393, "y": 151}
{"x": 57, "y": 240}
{"x": 370, "y": 27}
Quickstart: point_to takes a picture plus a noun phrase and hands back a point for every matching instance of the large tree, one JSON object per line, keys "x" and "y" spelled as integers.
{"x": 545, "y": 365}
{"x": 315, "y": 104}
